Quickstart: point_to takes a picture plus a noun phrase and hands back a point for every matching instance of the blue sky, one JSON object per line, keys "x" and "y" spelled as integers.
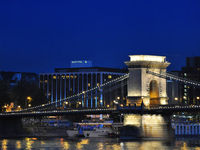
{"x": 37, "y": 36}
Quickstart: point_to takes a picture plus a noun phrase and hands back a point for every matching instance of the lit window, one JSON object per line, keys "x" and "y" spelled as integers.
{"x": 97, "y": 84}
{"x": 185, "y": 90}
{"x": 109, "y": 77}
{"x": 67, "y": 76}
{"x": 185, "y": 94}
{"x": 185, "y": 74}
{"x": 54, "y": 77}
{"x": 176, "y": 98}
{"x": 45, "y": 81}
{"x": 72, "y": 76}
{"x": 88, "y": 84}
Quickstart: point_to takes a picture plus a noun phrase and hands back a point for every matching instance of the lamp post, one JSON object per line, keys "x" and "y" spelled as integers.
{"x": 66, "y": 104}
{"x": 28, "y": 101}
{"x": 79, "y": 104}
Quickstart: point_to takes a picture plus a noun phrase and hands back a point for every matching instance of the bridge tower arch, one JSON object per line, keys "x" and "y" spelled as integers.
{"x": 145, "y": 87}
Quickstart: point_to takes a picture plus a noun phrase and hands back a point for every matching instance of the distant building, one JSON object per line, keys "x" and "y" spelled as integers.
{"x": 14, "y": 77}
{"x": 174, "y": 90}
{"x": 66, "y": 82}
{"x": 191, "y": 94}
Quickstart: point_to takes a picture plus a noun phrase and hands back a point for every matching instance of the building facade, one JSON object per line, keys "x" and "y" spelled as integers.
{"x": 191, "y": 94}
{"x": 65, "y": 82}
{"x": 174, "y": 91}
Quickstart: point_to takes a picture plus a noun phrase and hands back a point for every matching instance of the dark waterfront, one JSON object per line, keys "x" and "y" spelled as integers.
{"x": 98, "y": 144}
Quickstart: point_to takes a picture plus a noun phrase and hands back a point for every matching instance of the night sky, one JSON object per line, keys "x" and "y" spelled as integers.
{"x": 37, "y": 36}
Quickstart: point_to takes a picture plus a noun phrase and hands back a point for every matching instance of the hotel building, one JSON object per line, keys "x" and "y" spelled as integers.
{"x": 82, "y": 76}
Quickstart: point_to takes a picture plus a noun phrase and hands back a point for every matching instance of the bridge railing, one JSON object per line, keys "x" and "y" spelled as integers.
{"x": 174, "y": 77}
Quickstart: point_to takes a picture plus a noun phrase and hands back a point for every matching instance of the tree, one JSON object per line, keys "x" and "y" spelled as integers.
{"x": 25, "y": 89}
{"x": 4, "y": 93}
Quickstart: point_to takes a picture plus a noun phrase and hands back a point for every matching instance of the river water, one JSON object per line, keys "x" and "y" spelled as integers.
{"x": 98, "y": 144}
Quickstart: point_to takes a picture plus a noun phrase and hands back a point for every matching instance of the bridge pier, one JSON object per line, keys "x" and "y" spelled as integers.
{"x": 143, "y": 87}
{"x": 153, "y": 126}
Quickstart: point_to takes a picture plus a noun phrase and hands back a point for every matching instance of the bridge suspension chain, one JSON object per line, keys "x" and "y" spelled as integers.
{"x": 174, "y": 77}
{"x": 121, "y": 78}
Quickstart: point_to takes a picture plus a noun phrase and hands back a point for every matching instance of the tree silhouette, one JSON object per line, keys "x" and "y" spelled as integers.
{"x": 4, "y": 93}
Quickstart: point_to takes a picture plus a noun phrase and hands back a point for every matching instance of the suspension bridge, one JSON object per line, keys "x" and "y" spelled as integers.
{"x": 146, "y": 86}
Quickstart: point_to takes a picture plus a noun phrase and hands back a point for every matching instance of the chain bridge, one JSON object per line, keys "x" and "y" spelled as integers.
{"x": 146, "y": 92}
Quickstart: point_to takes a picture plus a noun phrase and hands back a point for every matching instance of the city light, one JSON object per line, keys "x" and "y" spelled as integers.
{"x": 175, "y": 98}
{"x": 147, "y": 58}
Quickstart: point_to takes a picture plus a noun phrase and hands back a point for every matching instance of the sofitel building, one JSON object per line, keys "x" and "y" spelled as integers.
{"x": 80, "y": 77}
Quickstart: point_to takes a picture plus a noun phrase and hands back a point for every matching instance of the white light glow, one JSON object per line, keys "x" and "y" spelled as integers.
{"x": 147, "y": 58}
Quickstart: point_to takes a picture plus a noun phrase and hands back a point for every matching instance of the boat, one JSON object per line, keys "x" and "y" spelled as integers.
{"x": 74, "y": 133}
{"x": 98, "y": 132}
{"x": 91, "y": 129}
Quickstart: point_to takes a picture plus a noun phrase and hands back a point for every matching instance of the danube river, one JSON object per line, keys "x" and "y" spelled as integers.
{"x": 98, "y": 144}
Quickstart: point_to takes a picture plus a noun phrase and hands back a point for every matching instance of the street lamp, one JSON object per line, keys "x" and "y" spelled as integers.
{"x": 176, "y": 98}
{"x": 28, "y": 101}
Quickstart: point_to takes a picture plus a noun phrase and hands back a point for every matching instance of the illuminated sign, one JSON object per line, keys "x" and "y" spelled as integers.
{"x": 81, "y": 63}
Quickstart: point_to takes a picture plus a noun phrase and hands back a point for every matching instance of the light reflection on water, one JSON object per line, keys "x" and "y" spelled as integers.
{"x": 97, "y": 144}
{"x": 149, "y": 125}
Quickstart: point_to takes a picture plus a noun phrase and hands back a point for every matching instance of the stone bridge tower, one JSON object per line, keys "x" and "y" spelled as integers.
{"x": 145, "y": 87}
